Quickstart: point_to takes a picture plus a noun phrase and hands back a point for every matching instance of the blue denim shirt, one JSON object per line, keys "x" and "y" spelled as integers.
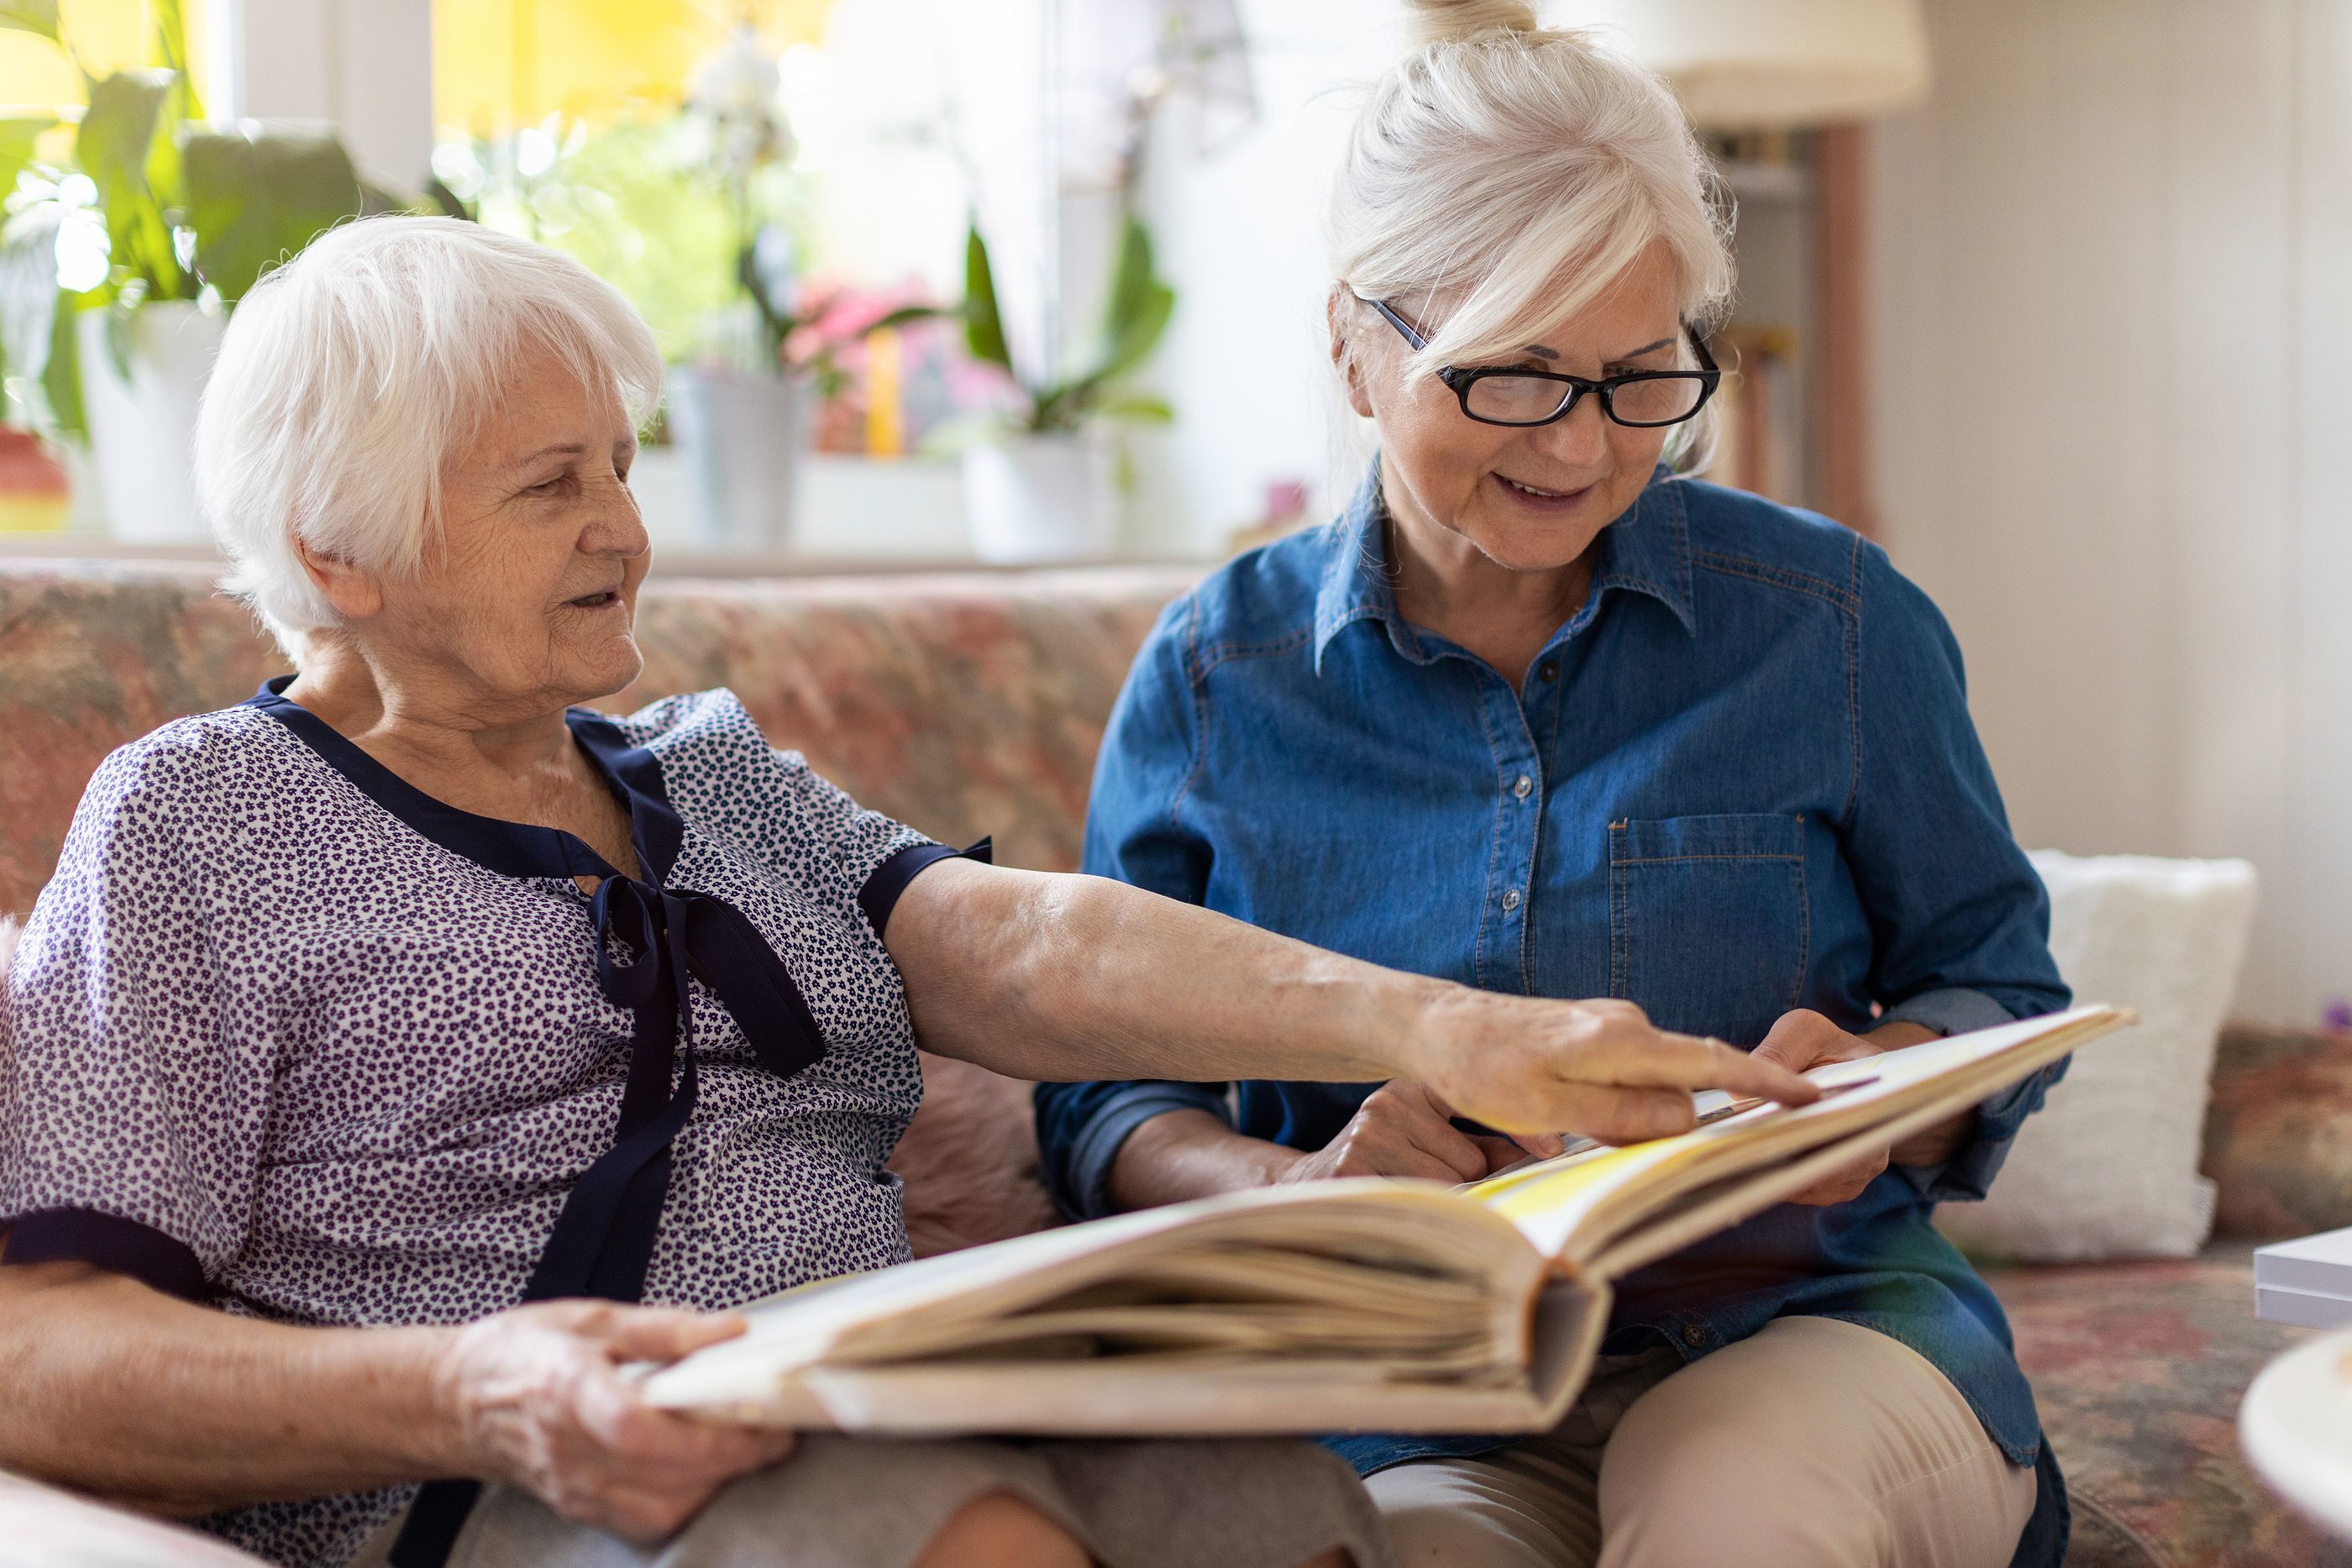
{"x": 1740, "y": 779}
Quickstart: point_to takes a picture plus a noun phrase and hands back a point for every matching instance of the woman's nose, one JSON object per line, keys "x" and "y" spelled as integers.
{"x": 1579, "y": 439}
{"x": 618, "y": 528}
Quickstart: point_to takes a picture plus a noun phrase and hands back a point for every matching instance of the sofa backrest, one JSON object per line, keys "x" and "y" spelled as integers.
{"x": 963, "y": 703}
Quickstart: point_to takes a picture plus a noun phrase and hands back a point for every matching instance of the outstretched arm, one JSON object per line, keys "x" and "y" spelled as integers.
{"x": 1063, "y": 978}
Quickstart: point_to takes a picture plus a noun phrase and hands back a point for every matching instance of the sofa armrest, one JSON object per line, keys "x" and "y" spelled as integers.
{"x": 2278, "y": 1132}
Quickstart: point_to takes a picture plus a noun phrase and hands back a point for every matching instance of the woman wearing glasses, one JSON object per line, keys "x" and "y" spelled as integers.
{"x": 1538, "y": 713}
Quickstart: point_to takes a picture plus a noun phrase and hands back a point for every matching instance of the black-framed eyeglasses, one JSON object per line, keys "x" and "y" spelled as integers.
{"x": 1513, "y": 395}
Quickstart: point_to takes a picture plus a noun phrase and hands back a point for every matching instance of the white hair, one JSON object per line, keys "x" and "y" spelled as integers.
{"x": 352, "y": 374}
{"x": 1522, "y": 169}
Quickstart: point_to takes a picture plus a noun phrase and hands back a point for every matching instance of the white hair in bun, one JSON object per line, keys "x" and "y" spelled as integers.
{"x": 1520, "y": 169}
{"x": 1450, "y": 21}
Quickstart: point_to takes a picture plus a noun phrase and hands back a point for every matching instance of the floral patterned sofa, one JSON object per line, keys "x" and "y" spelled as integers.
{"x": 973, "y": 704}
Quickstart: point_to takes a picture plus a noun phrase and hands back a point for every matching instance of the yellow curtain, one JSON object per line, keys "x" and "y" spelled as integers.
{"x": 500, "y": 64}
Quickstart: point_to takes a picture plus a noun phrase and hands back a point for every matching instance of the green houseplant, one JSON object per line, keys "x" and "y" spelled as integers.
{"x": 118, "y": 266}
{"x": 1038, "y": 481}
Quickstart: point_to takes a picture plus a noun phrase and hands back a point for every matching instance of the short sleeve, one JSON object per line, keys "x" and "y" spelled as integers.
{"x": 856, "y": 840}
{"x": 877, "y": 855}
{"x": 132, "y": 1102}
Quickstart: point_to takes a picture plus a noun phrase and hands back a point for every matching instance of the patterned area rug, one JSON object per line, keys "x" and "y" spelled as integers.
{"x": 2138, "y": 1368}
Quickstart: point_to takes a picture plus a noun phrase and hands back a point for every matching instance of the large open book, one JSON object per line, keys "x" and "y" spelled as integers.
{"x": 1359, "y": 1305}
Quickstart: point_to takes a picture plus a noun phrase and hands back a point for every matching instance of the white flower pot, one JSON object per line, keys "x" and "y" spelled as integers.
{"x": 1039, "y": 499}
{"x": 741, "y": 437}
{"x": 142, "y": 429}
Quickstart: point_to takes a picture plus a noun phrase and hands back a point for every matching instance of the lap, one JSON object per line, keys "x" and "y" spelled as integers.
{"x": 840, "y": 1502}
{"x": 1816, "y": 1441}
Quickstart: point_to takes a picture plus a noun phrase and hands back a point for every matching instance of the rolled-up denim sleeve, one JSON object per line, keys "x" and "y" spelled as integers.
{"x": 1960, "y": 922}
{"x": 1135, "y": 833}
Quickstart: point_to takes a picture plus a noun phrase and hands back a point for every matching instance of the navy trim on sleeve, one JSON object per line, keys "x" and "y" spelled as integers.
{"x": 880, "y": 894}
{"x": 107, "y": 1242}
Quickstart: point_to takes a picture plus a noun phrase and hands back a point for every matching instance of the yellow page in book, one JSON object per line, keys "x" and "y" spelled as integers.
{"x": 1560, "y": 1193}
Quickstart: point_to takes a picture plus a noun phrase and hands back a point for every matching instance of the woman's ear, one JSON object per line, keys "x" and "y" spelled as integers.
{"x": 1343, "y": 351}
{"x": 355, "y": 595}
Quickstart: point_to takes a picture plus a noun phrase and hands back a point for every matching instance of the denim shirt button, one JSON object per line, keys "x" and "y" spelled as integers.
{"x": 1547, "y": 671}
{"x": 1524, "y": 786}
{"x": 1511, "y": 899}
{"x": 1695, "y": 1336}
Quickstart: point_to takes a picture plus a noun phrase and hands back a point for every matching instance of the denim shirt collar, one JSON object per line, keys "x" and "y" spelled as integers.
{"x": 1646, "y": 550}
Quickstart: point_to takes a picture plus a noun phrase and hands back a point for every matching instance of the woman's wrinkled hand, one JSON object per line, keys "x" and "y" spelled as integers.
{"x": 538, "y": 1402}
{"x": 1404, "y": 1130}
{"x": 1803, "y": 1039}
{"x": 1594, "y": 1069}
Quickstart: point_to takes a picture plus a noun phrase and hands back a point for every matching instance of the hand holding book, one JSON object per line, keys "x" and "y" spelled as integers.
{"x": 1803, "y": 1039}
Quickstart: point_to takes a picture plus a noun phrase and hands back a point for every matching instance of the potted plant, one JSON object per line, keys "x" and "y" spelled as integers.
{"x": 117, "y": 269}
{"x": 742, "y": 414}
{"x": 1039, "y": 485}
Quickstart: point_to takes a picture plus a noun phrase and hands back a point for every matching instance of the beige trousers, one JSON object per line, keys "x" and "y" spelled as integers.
{"x": 1815, "y": 1443}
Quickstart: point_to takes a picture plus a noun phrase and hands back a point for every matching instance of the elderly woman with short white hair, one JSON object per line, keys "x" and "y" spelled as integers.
{"x": 397, "y": 1053}
{"x": 1541, "y": 713}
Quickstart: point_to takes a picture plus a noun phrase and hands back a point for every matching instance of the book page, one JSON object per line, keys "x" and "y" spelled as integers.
{"x": 1400, "y": 1281}
{"x": 1573, "y": 1207}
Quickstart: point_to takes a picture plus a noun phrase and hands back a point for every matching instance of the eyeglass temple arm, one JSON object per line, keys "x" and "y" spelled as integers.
{"x": 1698, "y": 341}
{"x": 1397, "y": 321}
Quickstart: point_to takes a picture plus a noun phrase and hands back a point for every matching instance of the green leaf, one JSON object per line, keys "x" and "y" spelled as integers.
{"x": 171, "y": 54}
{"x": 62, "y": 382}
{"x": 1139, "y": 309}
{"x": 375, "y": 201}
{"x": 114, "y": 147}
{"x": 16, "y": 139}
{"x": 1138, "y": 409}
{"x": 31, "y": 17}
{"x": 1130, "y": 278}
{"x": 983, "y": 330}
{"x": 907, "y": 316}
{"x": 28, "y": 296}
{"x": 257, "y": 198}
{"x": 446, "y": 202}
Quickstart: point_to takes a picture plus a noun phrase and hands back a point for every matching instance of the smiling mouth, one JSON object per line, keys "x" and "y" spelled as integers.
{"x": 1538, "y": 492}
{"x": 596, "y": 600}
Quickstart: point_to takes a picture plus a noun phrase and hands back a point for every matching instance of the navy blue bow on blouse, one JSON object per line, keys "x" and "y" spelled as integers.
{"x": 652, "y": 943}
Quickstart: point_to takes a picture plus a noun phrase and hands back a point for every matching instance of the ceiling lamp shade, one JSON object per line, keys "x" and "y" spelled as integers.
{"x": 1741, "y": 65}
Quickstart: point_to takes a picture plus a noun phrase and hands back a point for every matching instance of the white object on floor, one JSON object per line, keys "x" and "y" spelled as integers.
{"x": 2306, "y": 1282}
{"x": 2302, "y": 1308}
{"x": 2108, "y": 1167}
{"x": 2296, "y": 1428}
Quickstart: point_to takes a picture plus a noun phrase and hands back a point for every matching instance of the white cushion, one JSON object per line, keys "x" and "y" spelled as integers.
{"x": 2108, "y": 1167}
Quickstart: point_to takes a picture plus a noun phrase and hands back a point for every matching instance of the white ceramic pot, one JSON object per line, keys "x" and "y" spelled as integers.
{"x": 141, "y": 428}
{"x": 741, "y": 437}
{"x": 1038, "y": 499}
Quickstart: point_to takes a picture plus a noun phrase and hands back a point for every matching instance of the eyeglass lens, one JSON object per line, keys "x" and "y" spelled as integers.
{"x": 1525, "y": 400}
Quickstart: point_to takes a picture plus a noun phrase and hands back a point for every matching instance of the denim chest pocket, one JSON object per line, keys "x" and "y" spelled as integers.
{"x": 1708, "y": 925}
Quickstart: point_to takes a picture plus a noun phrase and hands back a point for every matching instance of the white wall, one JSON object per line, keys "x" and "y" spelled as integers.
{"x": 2115, "y": 430}
{"x": 365, "y": 67}
{"x": 1240, "y": 232}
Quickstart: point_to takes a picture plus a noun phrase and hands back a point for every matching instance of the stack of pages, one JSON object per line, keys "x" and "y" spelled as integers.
{"x": 1361, "y": 1305}
{"x": 2307, "y": 1282}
